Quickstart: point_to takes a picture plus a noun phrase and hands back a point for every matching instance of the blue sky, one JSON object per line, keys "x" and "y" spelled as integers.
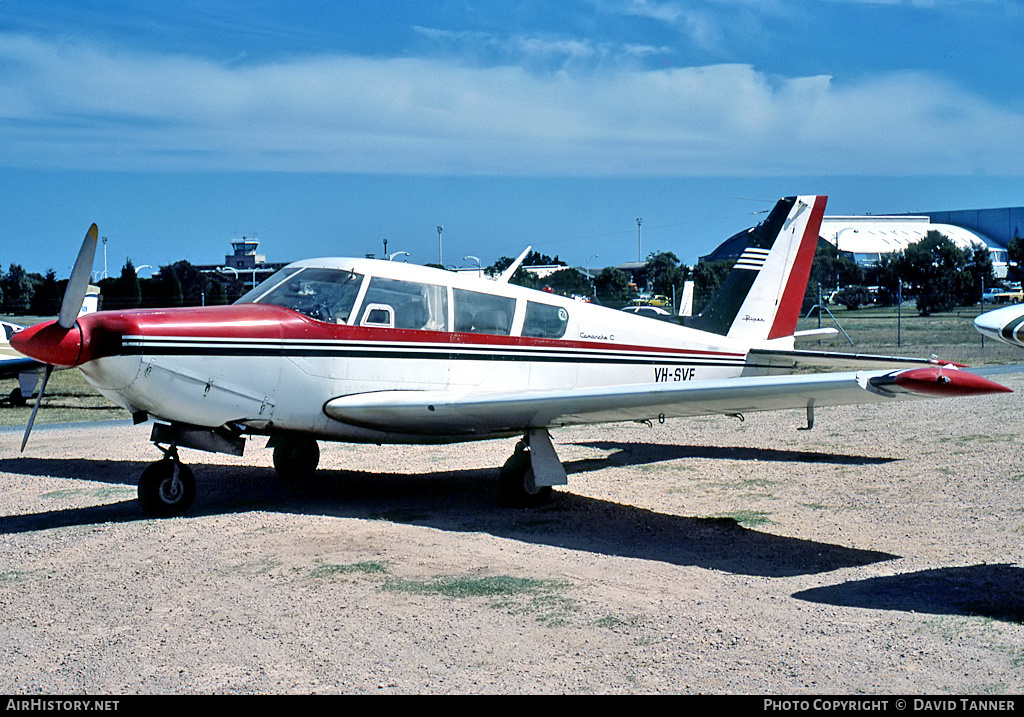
{"x": 323, "y": 127}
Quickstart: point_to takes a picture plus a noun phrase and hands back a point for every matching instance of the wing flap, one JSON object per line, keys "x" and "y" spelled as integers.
{"x": 506, "y": 413}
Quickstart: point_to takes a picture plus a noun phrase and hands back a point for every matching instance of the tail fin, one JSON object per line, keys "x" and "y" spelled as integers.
{"x": 761, "y": 296}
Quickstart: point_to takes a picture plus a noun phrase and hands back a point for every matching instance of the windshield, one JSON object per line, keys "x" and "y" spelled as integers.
{"x": 321, "y": 294}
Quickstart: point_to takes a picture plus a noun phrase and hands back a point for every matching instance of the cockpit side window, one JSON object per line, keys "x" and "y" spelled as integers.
{"x": 322, "y": 294}
{"x": 412, "y": 305}
{"x": 544, "y": 321}
{"x": 480, "y": 313}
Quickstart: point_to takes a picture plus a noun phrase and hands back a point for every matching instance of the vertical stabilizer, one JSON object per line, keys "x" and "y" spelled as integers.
{"x": 761, "y": 296}
{"x": 686, "y": 303}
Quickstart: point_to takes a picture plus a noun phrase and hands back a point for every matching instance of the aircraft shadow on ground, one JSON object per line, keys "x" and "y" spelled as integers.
{"x": 990, "y": 591}
{"x": 626, "y": 454}
{"x": 456, "y": 501}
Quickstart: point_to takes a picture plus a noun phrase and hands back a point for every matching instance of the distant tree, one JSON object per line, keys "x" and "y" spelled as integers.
{"x": 663, "y": 273}
{"x": 853, "y": 297}
{"x": 524, "y": 278}
{"x": 831, "y": 269}
{"x": 978, "y": 272}
{"x": 535, "y": 258}
{"x": 933, "y": 266}
{"x": 707, "y": 277}
{"x": 1015, "y": 249}
{"x": 521, "y": 277}
{"x": 167, "y": 289}
{"x": 216, "y": 293}
{"x": 568, "y": 282}
{"x": 612, "y": 286}
{"x": 17, "y": 289}
{"x": 129, "y": 285}
{"x": 887, "y": 272}
{"x": 46, "y": 298}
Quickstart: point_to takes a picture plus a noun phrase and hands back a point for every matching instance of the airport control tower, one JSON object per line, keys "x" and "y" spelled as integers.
{"x": 245, "y": 256}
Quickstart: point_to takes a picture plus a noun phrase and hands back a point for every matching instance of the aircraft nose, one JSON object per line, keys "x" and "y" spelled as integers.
{"x": 50, "y": 343}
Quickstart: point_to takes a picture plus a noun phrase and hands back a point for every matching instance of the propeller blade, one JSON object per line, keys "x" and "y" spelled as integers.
{"x": 78, "y": 284}
{"x": 39, "y": 399}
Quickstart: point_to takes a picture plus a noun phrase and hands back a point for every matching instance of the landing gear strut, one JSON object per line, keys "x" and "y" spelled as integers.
{"x": 167, "y": 487}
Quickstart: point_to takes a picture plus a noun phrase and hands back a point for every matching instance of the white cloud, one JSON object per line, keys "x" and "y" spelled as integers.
{"x": 79, "y": 105}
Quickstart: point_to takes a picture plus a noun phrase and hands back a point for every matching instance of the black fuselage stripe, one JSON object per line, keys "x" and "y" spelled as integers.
{"x": 132, "y": 349}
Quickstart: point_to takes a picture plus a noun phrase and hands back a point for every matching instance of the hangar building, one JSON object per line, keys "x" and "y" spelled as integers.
{"x": 868, "y": 237}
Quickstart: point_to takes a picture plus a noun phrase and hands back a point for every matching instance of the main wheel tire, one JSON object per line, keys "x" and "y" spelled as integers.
{"x": 515, "y": 482}
{"x": 296, "y": 458}
{"x": 160, "y": 495}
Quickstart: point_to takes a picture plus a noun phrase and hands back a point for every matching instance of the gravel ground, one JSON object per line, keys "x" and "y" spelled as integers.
{"x": 878, "y": 553}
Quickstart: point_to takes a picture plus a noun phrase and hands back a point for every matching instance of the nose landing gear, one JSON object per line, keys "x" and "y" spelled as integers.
{"x": 167, "y": 487}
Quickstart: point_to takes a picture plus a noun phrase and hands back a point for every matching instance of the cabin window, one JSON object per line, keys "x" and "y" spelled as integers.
{"x": 544, "y": 321}
{"x": 378, "y": 315}
{"x": 479, "y": 313}
{"x": 322, "y": 294}
{"x": 412, "y": 305}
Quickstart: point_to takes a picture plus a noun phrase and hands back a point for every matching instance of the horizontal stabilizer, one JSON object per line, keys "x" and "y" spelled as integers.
{"x": 795, "y": 360}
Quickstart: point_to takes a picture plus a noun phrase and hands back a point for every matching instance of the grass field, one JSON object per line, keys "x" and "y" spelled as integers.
{"x": 949, "y": 336}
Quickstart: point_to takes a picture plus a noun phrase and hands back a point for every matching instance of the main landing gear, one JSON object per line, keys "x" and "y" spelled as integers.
{"x": 167, "y": 487}
{"x": 295, "y": 457}
{"x": 526, "y": 478}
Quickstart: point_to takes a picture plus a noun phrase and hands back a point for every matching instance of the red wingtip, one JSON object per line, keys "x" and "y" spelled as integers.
{"x": 947, "y": 382}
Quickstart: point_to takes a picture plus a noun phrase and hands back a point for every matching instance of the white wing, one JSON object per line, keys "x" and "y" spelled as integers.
{"x": 442, "y": 413}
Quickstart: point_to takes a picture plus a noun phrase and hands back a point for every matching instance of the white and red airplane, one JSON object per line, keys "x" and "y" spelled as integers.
{"x": 372, "y": 351}
{"x": 1005, "y": 324}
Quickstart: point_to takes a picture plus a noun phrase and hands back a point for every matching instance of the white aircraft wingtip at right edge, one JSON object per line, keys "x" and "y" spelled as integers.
{"x": 1003, "y": 324}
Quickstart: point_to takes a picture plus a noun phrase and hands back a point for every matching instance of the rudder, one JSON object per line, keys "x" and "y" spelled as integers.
{"x": 762, "y": 294}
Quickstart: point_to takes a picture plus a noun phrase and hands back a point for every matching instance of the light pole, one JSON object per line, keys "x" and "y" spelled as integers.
{"x": 104, "y": 257}
{"x": 639, "y": 251}
{"x": 440, "y": 254}
{"x": 590, "y": 278}
{"x": 391, "y": 257}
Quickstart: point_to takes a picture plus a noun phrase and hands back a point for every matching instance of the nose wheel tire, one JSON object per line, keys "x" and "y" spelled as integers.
{"x": 166, "y": 488}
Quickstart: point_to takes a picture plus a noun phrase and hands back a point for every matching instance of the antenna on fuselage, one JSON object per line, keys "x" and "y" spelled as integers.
{"x": 507, "y": 274}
